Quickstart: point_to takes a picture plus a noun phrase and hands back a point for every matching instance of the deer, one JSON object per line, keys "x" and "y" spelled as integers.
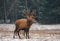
{"x": 25, "y": 23}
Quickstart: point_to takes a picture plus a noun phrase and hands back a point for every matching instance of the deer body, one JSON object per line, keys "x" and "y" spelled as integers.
{"x": 24, "y": 24}
{"x": 21, "y": 23}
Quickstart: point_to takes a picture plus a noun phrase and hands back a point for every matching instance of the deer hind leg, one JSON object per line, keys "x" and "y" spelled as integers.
{"x": 18, "y": 33}
{"x": 15, "y": 32}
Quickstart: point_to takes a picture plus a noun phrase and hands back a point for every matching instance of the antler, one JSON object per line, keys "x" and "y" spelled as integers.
{"x": 33, "y": 12}
{"x": 26, "y": 11}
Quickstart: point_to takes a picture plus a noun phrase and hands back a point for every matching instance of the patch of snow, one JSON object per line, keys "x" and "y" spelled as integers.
{"x": 35, "y": 26}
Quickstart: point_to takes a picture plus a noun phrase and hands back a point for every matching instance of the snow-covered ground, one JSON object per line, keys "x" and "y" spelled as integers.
{"x": 34, "y": 36}
{"x": 6, "y": 33}
{"x": 36, "y": 26}
{"x": 8, "y": 36}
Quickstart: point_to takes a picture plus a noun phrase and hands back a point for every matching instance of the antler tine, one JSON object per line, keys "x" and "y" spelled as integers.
{"x": 33, "y": 12}
{"x": 26, "y": 11}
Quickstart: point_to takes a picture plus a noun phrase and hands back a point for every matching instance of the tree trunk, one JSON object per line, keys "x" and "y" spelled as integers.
{"x": 5, "y": 17}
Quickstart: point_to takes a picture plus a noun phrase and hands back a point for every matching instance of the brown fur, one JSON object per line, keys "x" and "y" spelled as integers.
{"x": 24, "y": 24}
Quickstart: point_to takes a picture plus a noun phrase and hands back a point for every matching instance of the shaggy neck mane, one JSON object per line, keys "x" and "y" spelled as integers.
{"x": 29, "y": 22}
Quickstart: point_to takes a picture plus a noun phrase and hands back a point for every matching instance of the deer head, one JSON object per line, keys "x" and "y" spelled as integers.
{"x": 30, "y": 15}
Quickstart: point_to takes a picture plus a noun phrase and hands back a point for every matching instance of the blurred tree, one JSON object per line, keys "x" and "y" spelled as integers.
{"x": 47, "y": 11}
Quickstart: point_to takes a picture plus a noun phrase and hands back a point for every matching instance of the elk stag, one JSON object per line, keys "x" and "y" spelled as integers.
{"x": 25, "y": 23}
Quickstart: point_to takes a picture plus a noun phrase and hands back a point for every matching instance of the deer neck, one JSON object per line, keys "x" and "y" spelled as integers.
{"x": 29, "y": 22}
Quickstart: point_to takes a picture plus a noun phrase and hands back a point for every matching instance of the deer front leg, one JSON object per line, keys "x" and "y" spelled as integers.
{"x": 27, "y": 34}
